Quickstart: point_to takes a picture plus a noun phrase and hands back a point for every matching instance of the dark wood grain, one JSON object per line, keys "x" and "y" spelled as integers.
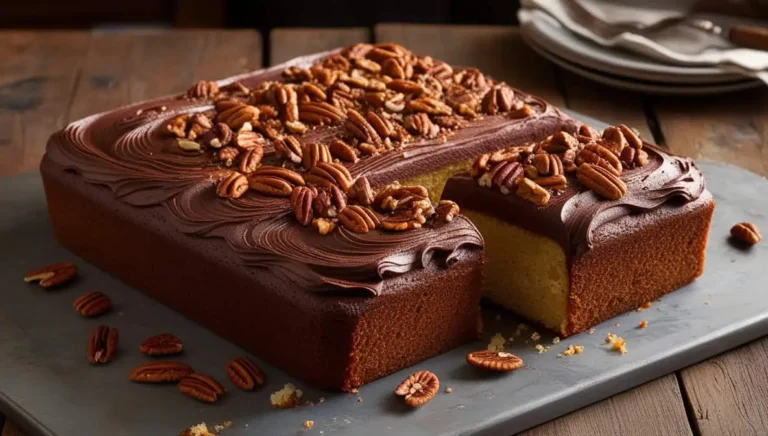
{"x": 654, "y": 408}
{"x": 11, "y": 429}
{"x": 38, "y": 76}
{"x": 288, "y": 43}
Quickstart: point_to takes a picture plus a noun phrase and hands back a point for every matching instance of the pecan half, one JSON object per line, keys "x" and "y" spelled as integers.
{"x": 314, "y": 92}
{"x": 358, "y": 50}
{"x": 234, "y": 185}
{"x": 199, "y": 125}
{"x": 358, "y": 126}
{"x": 430, "y": 106}
{"x": 386, "y": 50}
{"x": 600, "y": 156}
{"x": 404, "y": 220}
{"x": 446, "y": 210}
{"x": 55, "y": 274}
{"x": 418, "y": 388}
{"x": 276, "y": 181}
{"x": 614, "y": 140}
{"x": 524, "y": 112}
{"x": 505, "y": 175}
{"x": 248, "y": 139}
{"x": 235, "y": 113}
{"x": 548, "y": 164}
{"x": 289, "y": 148}
{"x": 558, "y": 182}
{"x": 397, "y": 68}
{"x": 391, "y": 197}
{"x": 329, "y": 201}
{"x": 420, "y": 124}
{"x": 201, "y": 387}
{"x": 314, "y": 153}
{"x": 250, "y": 159}
{"x": 631, "y": 136}
{"x": 450, "y": 122}
{"x": 92, "y": 304}
{"x": 361, "y": 191}
{"x": 245, "y": 374}
{"x": 160, "y": 372}
{"x": 302, "y": 199}
{"x": 480, "y": 165}
{"x": 533, "y": 192}
{"x": 224, "y": 135}
{"x": 340, "y": 150}
{"x": 747, "y": 233}
{"x": 633, "y": 157}
{"x": 500, "y": 98}
{"x": 102, "y": 344}
{"x": 324, "y": 226}
{"x": 494, "y": 360}
{"x": 604, "y": 182}
{"x": 382, "y": 125}
{"x": 163, "y": 344}
{"x": 405, "y": 86}
{"x": 329, "y": 174}
{"x": 320, "y": 113}
{"x": 203, "y": 89}
{"x": 359, "y": 219}
{"x": 588, "y": 131}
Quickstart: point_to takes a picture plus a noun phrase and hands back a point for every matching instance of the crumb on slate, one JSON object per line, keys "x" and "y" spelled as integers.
{"x": 448, "y": 390}
{"x": 497, "y": 343}
{"x": 617, "y": 343}
{"x": 573, "y": 350}
{"x": 646, "y": 305}
{"x": 643, "y": 324}
{"x": 287, "y": 397}
{"x": 309, "y": 424}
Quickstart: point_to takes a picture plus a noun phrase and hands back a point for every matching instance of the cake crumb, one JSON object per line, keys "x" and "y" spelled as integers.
{"x": 617, "y": 343}
{"x": 617, "y": 325}
{"x": 354, "y": 391}
{"x": 643, "y": 324}
{"x": 497, "y": 343}
{"x": 309, "y": 424}
{"x": 646, "y": 305}
{"x": 287, "y": 397}
{"x": 556, "y": 340}
{"x": 520, "y": 329}
{"x": 223, "y": 426}
{"x": 448, "y": 390}
{"x": 535, "y": 336}
{"x": 592, "y": 331}
{"x": 197, "y": 430}
{"x": 541, "y": 348}
{"x": 573, "y": 349}
{"x": 359, "y": 399}
{"x": 321, "y": 400}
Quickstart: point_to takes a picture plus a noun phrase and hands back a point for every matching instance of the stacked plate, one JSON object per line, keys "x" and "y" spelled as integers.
{"x": 622, "y": 69}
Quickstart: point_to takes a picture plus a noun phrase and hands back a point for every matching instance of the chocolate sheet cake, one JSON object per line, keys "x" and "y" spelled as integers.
{"x": 581, "y": 228}
{"x": 264, "y": 206}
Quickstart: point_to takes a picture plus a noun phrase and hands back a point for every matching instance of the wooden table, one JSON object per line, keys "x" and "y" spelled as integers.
{"x": 48, "y": 79}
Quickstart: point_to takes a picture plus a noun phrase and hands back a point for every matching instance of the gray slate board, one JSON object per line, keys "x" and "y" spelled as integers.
{"x": 47, "y": 386}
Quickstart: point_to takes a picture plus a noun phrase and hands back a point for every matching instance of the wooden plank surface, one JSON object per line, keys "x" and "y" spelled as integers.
{"x": 11, "y": 429}
{"x": 288, "y": 43}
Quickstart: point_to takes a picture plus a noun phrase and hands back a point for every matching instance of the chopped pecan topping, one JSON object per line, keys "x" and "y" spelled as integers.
{"x": 227, "y": 155}
{"x": 500, "y": 98}
{"x": 236, "y": 88}
{"x": 358, "y": 50}
{"x": 245, "y": 374}
{"x": 248, "y": 139}
{"x": 289, "y": 148}
{"x": 276, "y": 181}
{"x": 359, "y": 219}
{"x": 52, "y": 275}
{"x": 472, "y": 79}
{"x": 494, "y": 360}
{"x": 295, "y": 73}
{"x": 250, "y": 159}
{"x": 402, "y": 220}
{"x": 450, "y": 122}
{"x": 560, "y": 142}
{"x": 324, "y": 226}
{"x": 418, "y": 388}
{"x": 340, "y": 150}
{"x": 320, "y": 113}
{"x": 199, "y": 125}
{"x": 524, "y": 112}
{"x": 631, "y": 136}
{"x": 102, "y": 344}
{"x": 178, "y": 125}
{"x": 548, "y": 164}
{"x": 329, "y": 174}
{"x": 188, "y": 145}
{"x": 382, "y": 52}
{"x": 314, "y": 153}
{"x": 203, "y": 89}
{"x": 380, "y": 124}
{"x": 92, "y": 304}
{"x": 361, "y": 191}
{"x": 396, "y": 104}
{"x": 164, "y": 344}
{"x": 224, "y": 135}
{"x": 391, "y": 197}
{"x": 505, "y": 175}
{"x": 405, "y": 86}
{"x": 604, "y": 182}
{"x": 569, "y": 160}
{"x": 633, "y": 157}
{"x": 302, "y": 199}
{"x": 201, "y": 387}
{"x": 336, "y": 62}
{"x": 747, "y": 233}
{"x": 367, "y": 65}
{"x": 614, "y": 140}
{"x": 288, "y": 101}
{"x": 233, "y": 185}
{"x": 420, "y": 124}
{"x": 397, "y": 68}
{"x": 555, "y": 182}
{"x": 446, "y": 210}
{"x": 160, "y": 372}
{"x": 533, "y": 192}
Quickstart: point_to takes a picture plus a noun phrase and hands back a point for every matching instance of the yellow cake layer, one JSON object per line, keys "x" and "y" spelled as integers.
{"x": 527, "y": 273}
{"x": 435, "y": 180}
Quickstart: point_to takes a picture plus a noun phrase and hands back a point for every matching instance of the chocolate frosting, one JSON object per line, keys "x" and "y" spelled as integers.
{"x": 129, "y": 151}
{"x": 572, "y": 217}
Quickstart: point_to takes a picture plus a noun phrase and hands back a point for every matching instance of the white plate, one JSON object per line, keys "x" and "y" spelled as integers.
{"x": 643, "y": 86}
{"x": 544, "y": 30}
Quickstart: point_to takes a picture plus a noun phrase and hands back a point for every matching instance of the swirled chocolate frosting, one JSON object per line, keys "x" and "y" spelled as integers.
{"x": 128, "y": 151}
